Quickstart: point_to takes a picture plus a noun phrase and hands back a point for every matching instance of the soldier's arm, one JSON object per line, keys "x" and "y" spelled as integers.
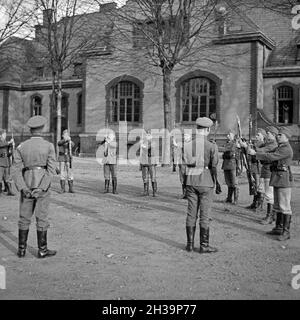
{"x": 50, "y": 171}
{"x": 17, "y": 167}
{"x": 278, "y": 154}
{"x": 61, "y": 142}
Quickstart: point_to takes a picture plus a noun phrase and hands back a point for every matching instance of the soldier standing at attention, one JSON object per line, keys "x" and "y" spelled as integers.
{"x": 33, "y": 168}
{"x": 281, "y": 180}
{"x": 6, "y": 149}
{"x": 148, "y": 162}
{"x": 110, "y": 162}
{"x": 64, "y": 159}
{"x": 231, "y": 167}
{"x": 200, "y": 182}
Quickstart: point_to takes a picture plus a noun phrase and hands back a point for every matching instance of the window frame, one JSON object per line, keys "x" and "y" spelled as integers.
{"x": 32, "y": 106}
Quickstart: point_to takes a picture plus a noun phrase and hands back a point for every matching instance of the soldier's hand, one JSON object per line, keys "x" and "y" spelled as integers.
{"x": 37, "y": 193}
{"x": 251, "y": 152}
{"x": 26, "y": 193}
{"x": 238, "y": 172}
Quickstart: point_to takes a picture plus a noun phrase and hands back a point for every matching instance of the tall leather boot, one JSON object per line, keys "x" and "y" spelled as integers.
{"x": 286, "y": 228}
{"x": 106, "y": 186}
{"x": 146, "y": 189}
{"x": 277, "y": 231}
{"x": 260, "y": 200}
{"x": 154, "y": 188}
{"x": 23, "y": 235}
{"x": 9, "y": 189}
{"x": 114, "y": 185}
{"x": 270, "y": 217}
{"x": 62, "y": 186}
{"x": 43, "y": 251}
{"x": 204, "y": 241}
{"x": 229, "y": 195}
{"x": 253, "y": 205}
{"x": 71, "y": 189}
{"x": 183, "y": 192}
{"x": 174, "y": 167}
{"x": 0, "y": 188}
{"x": 236, "y": 193}
{"x": 190, "y": 236}
{"x": 5, "y": 186}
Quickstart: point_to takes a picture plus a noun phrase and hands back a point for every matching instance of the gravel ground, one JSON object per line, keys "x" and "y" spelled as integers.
{"x": 127, "y": 246}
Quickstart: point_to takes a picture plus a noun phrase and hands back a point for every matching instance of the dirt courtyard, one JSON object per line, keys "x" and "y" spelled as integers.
{"x": 127, "y": 246}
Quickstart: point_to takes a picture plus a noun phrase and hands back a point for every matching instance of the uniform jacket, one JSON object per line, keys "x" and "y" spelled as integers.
{"x": 269, "y": 146}
{"x": 5, "y": 153}
{"x": 255, "y": 165}
{"x": 35, "y": 152}
{"x": 147, "y": 153}
{"x": 110, "y": 152}
{"x": 282, "y": 156}
{"x": 230, "y": 156}
{"x": 64, "y": 150}
{"x": 210, "y": 154}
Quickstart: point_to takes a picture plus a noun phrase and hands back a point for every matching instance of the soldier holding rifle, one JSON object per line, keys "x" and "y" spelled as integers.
{"x": 6, "y": 154}
{"x": 65, "y": 161}
{"x": 281, "y": 181}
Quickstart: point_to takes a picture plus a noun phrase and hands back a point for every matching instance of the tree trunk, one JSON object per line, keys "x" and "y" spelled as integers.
{"x": 58, "y": 105}
{"x": 167, "y": 114}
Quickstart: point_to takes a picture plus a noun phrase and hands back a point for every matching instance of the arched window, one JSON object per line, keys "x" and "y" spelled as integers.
{"x": 285, "y": 104}
{"x": 198, "y": 98}
{"x": 36, "y": 105}
{"x": 125, "y": 101}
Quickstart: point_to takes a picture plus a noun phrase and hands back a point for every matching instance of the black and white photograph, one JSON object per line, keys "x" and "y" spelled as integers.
{"x": 149, "y": 151}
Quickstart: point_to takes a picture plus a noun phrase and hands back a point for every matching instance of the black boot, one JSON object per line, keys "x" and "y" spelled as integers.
{"x": 23, "y": 235}
{"x": 9, "y": 189}
{"x": 0, "y": 188}
{"x": 114, "y": 185}
{"x": 154, "y": 188}
{"x": 62, "y": 186}
{"x": 270, "y": 217}
{"x": 5, "y": 186}
{"x": 286, "y": 228}
{"x": 229, "y": 195}
{"x": 106, "y": 186}
{"x": 174, "y": 167}
{"x": 236, "y": 193}
{"x": 71, "y": 190}
{"x": 277, "y": 231}
{"x": 204, "y": 241}
{"x": 42, "y": 245}
{"x": 260, "y": 200}
{"x": 190, "y": 235}
{"x": 183, "y": 192}
{"x": 146, "y": 189}
{"x": 253, "y": 205}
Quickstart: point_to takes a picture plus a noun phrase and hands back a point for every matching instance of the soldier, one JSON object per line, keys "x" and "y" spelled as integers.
{"x": 265, "y": 175}
{"x": 231, "y": 167}
{"x": 255, "y": 168}
{"x": 282, "y": 182}
{"x": 201, "y": 173}
{"x": 6, "y": 149}
{"x": 148, "y": 162}
{"x": 33, "y": 168}
{"x": 65, "y": 160}
{"x": 110, "y": 162}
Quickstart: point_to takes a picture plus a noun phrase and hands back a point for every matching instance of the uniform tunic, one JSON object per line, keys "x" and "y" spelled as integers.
{"x": 201, "y": 159}
{"x": 33, "y": 168}
{"x": 110, "y": 159}
{"x": 64, "y": 156}
{"x": 230, "y": 163}
{"x": 148, "y": 161}
{"x": 5, "y": 153}
{"x": 281, "y": 176}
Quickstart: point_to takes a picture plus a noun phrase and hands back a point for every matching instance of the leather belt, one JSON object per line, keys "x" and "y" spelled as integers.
{"x": 34, "y": 168}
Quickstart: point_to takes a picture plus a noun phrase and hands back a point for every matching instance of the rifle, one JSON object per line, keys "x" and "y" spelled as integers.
{"x": 11, "y": 150}
{"x": 70, "y": 146}
{"x": 141, "y": 141}
{"x": 218, "y": 186}
{"x": 245, "y": 161}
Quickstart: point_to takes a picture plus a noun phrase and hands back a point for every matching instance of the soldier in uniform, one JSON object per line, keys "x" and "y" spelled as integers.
{"x": 33, "y": 168}
{"x": 231, "y": 167}
{"x": 110, "y": 162}
{"x": 281, "y": 180}
{"x": 201, "y": 159}
{"x": 6, "y": 149}
{"x": 148, "y": 162}
{"x": 64, "y": 158}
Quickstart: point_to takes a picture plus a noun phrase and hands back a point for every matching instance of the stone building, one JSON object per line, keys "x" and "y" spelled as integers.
{"x": 259, "y": 75}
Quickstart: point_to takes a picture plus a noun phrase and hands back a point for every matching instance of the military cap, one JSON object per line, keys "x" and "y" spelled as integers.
{"x": 262, "y": 131}
{"x": 272, "y": 129}
{"x": 36, "y": 122}
{"x": 204, "y": 122}
{"x": 286, "y": 131}
{"x": 65, "y": 131}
